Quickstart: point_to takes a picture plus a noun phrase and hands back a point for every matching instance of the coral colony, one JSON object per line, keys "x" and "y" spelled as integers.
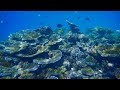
{"x": 53, "y": 54}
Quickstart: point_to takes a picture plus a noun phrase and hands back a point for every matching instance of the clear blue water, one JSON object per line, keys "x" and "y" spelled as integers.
{"x": 13, "y": 21}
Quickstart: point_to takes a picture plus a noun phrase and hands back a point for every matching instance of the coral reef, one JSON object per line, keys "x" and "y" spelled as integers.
{"x": 53, "y": 56}
{"x": 87, "y": 71}
{"x": 62, "y": 53}
{"x": 109, "y": 50}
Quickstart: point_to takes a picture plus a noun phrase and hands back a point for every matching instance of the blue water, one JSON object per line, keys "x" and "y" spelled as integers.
{"x": 13, "y": 21}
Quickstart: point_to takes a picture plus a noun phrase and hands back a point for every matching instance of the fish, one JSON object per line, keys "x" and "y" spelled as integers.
{"x": 87, "y": 18}
{"x": 59, "y": 25}
{"x": 71, "y": 24}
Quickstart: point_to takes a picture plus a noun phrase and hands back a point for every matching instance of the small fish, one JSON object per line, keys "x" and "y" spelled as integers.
{"x": 71, "y": 24}
{"x": 88, "y": 19}
{"x": 59, "y": 25}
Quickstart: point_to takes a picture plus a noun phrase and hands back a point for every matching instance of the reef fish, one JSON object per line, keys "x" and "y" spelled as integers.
{"x": 74, "y": 28}
{"x": 88, "y": 19}
{"x": 59, "y": 25}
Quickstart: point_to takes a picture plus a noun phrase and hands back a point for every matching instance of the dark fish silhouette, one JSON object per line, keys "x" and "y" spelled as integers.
{"x": 59, "y": 25}
{"x": 71, "y": 24}
{"x": 88, "y": 19}
{"x": 74, "y": 28}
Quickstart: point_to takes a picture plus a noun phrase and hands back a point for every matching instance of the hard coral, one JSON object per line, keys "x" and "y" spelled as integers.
{"x": 53, "y": 56}
{"x": 87, "y": 71}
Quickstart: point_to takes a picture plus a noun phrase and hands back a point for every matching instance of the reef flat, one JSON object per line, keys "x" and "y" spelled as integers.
{"x": 44, "y": 53}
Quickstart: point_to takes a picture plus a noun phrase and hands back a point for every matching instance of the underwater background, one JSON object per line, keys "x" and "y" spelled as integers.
{"x": 12, "y": 21}
{"x": 59, "y": 44}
